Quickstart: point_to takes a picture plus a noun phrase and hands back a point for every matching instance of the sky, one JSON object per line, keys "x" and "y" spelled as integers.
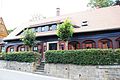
{"x": 18, "y": 12}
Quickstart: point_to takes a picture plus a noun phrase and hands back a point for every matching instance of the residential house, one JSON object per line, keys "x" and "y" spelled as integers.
{"x": 95, "y": 28}
{"x": 3, "y": 33}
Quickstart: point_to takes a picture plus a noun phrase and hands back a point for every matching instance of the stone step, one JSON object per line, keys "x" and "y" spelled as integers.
{"x": 40, "y": 73}
{"x": 39, "y": 70}
{"x": 40, "y": 66}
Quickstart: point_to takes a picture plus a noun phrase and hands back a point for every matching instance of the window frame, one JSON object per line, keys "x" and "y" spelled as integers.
{"x": 53, "y": 42}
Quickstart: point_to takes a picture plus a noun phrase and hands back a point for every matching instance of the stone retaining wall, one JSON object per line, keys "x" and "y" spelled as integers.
{"x": 76, "y": 72}
{"x": 19, "y": 66}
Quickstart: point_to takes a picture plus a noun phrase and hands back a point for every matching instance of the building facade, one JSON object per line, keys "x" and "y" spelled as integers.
{"x": 98, "y": 28}
{"x": 3, "y": 33}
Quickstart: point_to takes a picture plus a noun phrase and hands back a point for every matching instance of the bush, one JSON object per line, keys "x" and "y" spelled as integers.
{"x": 21, "y": 56}
{"x": 1, "y": 56}
{"x": 84, "y": 57}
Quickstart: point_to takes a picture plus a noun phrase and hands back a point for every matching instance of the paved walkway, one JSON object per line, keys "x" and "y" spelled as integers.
{"x": 17, "y": 75}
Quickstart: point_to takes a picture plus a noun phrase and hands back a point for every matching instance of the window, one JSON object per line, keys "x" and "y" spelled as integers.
{"x": 73, "y": 45}
{"x": 105, "y": 43}
{"x": 36, "y": 29}
{"x": 84, "y": 23}
{"x": 62, "y": 47}
{"x": 33, "y": 29}
{"x": 52, "y": 46}
{"x": 54, "y": 27}
{"x": 50, "y": 28}
{"x": 88, "y": 44}
{"x": 22, "y": 49}
{"x": 118, "y": 42}
{"x": 2, "y": 49}
{"x": 42, "y": 29}
{"x": 46, "y": 28}
{"x": 39, "y": 29}
{"x": 11, "y": 49}
{"x": 35, "y": 48}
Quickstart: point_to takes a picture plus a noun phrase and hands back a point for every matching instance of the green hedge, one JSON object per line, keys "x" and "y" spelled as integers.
{"x": 84, "y": 57}
{"x": 21, "y": 56}
{"x": 1, "y": 56}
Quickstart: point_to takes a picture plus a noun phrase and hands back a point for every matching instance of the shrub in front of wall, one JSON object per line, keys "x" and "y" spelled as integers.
{"x": 84, "y": 57}
{"x": 116, "y": 55}
{"x": 22, "y": 56}
{"x": 1, "y": 56}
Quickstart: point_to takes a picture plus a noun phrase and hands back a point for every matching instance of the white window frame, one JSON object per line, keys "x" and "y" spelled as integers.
{"x": 53, "y": 42}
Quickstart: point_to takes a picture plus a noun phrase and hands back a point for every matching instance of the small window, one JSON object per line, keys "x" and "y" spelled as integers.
{"x": 54, "y": 27}
{"x": 35, "y": 48}
{"x": 2, "y": 49}
{"x": 46, "y": 28}
{"x": 42, "y": 29}
{"x": 33, "y": 29}
{"x": 39, "y": 29}
{"x": 52, "y": 46}
{"x": 105, "y": 43}
{"x": 36, "y": 29}
{"x": 62, "y": 47}
{"x": 119, "y": 44}
{"x": 85, "y": 23}
{"x": 11, "y": 49}
{"x": 50, "y": 28}
{"x": 22, "y": 49}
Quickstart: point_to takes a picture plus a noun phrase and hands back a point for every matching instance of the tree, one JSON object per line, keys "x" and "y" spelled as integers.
{"x": 11, "y": 30}
{"x": 100, "y": 3}
{"x": 65, "y": 31}
{"x": 117, "y": 2}
{"x": 29, "y": 38}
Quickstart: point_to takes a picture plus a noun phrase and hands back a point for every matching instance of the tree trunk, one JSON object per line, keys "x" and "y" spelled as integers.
{"x": 30, "y": 48}
{"x": 66, "y": 45}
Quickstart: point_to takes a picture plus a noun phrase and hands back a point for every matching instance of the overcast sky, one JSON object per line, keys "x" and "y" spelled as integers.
{"x": 17, "y": 12}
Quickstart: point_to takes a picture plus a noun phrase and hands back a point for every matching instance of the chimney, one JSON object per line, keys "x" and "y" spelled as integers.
{"x": 57, "y": 11}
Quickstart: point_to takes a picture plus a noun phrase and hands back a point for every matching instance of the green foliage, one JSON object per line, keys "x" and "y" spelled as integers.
{"x": 29, "y": 38}
{"x": 65, "y": 30}
{"x": 21, "y": 56}
{"x": 9, "y": 31}
{"x": 1, "y": 56}
{"x": 84, "y": 57}
{"x": 100, "y": 3}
